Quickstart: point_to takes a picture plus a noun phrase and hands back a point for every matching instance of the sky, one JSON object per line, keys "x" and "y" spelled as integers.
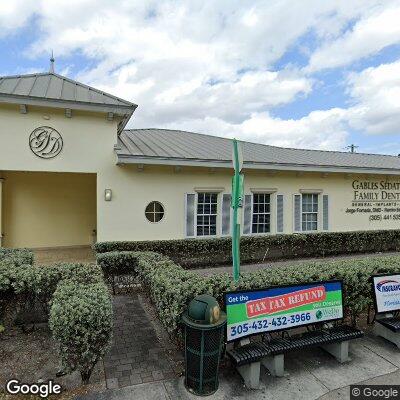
{"x": 317, "y": 74}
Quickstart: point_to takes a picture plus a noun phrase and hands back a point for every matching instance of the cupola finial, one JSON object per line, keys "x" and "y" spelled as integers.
{"x": 352, "y": 148}
{"x": 52, "y": 63}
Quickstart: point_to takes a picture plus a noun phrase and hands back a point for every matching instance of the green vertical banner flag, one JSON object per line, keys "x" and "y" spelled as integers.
{"x": 237, "y": 204}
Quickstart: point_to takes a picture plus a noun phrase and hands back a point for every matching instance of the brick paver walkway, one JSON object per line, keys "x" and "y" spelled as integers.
{"x": 136, "y": 354}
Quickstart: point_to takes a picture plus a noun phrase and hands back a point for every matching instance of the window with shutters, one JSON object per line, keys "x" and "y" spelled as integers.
{"x": 261, "y": 222}
{"x": 206, "y": 221}
{"x": 309, "y": 212}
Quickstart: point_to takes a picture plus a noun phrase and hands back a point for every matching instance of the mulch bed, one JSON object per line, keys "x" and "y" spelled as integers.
{"x": 32, "y": 358}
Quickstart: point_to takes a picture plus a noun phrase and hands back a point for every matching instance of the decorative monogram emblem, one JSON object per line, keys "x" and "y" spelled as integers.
{"x": 45, "y": 142}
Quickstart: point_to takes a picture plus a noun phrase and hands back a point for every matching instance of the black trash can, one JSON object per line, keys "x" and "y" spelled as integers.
{"x": 204, "y": 325}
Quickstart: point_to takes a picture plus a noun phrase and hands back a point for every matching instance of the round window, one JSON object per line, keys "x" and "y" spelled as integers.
{"x": 154, "y": 211}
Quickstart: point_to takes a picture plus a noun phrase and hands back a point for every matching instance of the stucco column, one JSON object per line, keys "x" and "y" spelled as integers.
{"x": 1, "y": 207}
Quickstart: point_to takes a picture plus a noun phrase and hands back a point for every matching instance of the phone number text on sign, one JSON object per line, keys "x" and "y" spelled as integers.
{"x": 264, "y": 325}
{"x": 284, "y": 307}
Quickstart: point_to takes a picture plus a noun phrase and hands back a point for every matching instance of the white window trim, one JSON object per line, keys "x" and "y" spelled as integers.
{"x": 263, "y": 190}
{"x": 271, "y": 212}
{"x": 217, "y": 227}
{"x": 318, "y": 212}
{"x": 209, "y": 190}
{"x": 311, "y": 191}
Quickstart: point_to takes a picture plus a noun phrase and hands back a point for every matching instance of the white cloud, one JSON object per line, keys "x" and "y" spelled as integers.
{"x": 232, "y": 100}
{"x": 376, "y": 96}
{"x": 15, "y": 14}
{"x": 368, "y": 36}
{"x": 374, "y": 110}
{"x": 218, "y": 37}
{"x": 209, "y": 66}
{"x": 319, "y": 129}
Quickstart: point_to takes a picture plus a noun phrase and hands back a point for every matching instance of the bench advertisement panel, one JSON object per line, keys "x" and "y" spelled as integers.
{"x": 387, "y": 292}
{"x": 283, "y": 307}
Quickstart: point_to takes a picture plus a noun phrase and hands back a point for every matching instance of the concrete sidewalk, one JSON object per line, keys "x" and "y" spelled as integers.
{"x": 311, "y": 374}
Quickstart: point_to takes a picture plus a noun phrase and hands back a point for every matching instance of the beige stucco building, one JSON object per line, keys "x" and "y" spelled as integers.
{"x": 70, "y": 174}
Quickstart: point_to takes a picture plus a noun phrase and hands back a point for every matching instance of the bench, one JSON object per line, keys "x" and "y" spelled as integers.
{"x": 315, "y": 315}
{"x": 386, "y": 294}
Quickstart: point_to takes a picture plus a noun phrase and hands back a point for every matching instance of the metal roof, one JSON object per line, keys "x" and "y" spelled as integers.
{"x": 52, "y": 86}
{"x": 173, "y": 147}
{"x": 54, "y": 90}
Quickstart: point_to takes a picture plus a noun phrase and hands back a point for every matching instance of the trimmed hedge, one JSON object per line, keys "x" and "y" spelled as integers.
{"x": 45, "y": 279}
{"x": 171, "y": 287}
{"x": 36, "y": 282}
{"x": 9, "y": 275}
{"x": 195, "y": 253}
{"x": 11, "y": 298}
{"x": 116, "y": 263}
{"x": 18, "y": 256}
{"x": 81, "y": 308}
{"x": 81, "y": 322}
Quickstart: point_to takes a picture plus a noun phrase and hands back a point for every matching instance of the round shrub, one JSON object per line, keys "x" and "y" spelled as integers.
{"x": 81, "y": 321}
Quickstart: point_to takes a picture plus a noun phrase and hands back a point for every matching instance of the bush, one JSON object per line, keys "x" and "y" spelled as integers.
{"x": 32, "y": 286}
{"x": 43, "y": 280}
{"x": 195, "y": 253}
{"x": 171, "y": 288}
{"x": 81, "y": 310}
{"x": 11, "y": 299}
{"x": 356, "y": 276}
{"x": 40, "y": 282}
{"x": 13, "y": 265}
{"x": 81, "y": 322}
{"x": 18, "y": 256}
{"x": 9, "y": 275}
{"x": 116, "y": 263}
